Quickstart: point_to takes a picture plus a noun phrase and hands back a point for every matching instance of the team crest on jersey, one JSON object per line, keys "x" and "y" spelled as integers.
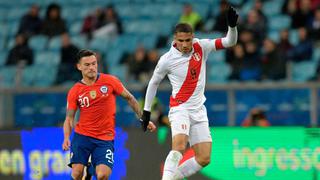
{"x": 93, "y": 94}
{"x": 104, "y": 89}
{"x": 197, "y": 56}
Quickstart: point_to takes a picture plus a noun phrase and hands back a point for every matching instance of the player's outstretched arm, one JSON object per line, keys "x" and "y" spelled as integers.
{"x": 136, "y": 108}
{"x": 67, "y": 129}
{"x": 232, "y": 34}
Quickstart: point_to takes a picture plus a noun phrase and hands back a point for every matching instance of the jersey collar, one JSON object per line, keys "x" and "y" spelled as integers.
{"x": 98, "y": 76}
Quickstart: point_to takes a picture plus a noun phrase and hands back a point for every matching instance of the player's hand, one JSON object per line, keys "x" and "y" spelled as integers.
{"x": 232, "y": 17}
{"x": 145, "y": 119}
{"x": 151, "y": 127}
{"x": 66, "y": 144}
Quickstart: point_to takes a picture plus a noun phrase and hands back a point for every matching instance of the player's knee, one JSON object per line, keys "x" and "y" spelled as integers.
{"x": 77, "y": 174}
{"x": 203, "y": 160}
{"x": 102, "y": 176}
{"x": 180, "y": 148}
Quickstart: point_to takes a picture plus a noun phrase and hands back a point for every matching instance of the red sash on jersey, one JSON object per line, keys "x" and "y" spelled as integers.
{"x": 190, "y": 83}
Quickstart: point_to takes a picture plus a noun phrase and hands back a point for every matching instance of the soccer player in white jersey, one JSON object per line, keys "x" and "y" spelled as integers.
{"x": 185, "y": 64}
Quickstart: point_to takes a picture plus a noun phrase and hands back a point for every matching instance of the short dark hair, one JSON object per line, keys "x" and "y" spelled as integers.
{"x": 183, "y": 27}
{"x": 84, "y": 53}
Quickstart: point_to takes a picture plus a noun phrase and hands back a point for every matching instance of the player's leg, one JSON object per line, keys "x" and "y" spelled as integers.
{"x": 102, "y": 158}
{"x": 202, "y": 148}
{"x": 180, "y": 126}
{"x": 201, "y": 142}
{"x": 200, "y": 136}
{"x": 179, "y": 143}
{"x": 77, "y": 171}
{"x": 196, "y": 163}
{"x": 79, "y": 155}
{"x": 103, "y": 172}
{"x": 202, "y": 153}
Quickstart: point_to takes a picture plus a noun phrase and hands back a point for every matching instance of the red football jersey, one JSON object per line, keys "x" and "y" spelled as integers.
{"x": 97, "y": 104}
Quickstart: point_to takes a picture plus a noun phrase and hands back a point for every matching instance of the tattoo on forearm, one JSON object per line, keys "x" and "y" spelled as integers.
{"x": 135, "y": 106}
{"x": 70, "y": 113}
{"x": 132, "y": 102}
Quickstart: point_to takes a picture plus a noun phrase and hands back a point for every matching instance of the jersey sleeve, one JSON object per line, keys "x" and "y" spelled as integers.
{"x": 208, "y": 45}
{"x": 160, "y": 71}
{"x": 220, "y": 43}
{"x": 117, "y": 85}
{"x": 72, "y": 102}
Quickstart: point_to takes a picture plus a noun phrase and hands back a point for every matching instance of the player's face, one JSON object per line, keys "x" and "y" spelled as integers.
{"x": 88, "y": 66}
{"x": 183, "y": 41}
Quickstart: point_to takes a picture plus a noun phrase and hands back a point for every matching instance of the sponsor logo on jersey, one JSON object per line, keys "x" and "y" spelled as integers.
{"x": 104, "y": 89}
{"x": 80, "y": 96}
{"x": 93, "y": 94}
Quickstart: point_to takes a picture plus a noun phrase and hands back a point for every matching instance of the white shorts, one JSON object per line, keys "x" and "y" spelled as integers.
{"x": 191, "y": 122}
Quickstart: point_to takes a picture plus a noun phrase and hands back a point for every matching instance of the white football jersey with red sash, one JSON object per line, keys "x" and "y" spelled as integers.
{"x": 187, "y": 72}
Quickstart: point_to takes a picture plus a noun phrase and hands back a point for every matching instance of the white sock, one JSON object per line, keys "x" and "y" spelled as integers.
{"x": 171, "y": 164}
{"x": 187, "y": 168}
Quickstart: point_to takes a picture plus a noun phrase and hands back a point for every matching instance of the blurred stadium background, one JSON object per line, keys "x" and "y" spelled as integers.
{"x": 33, "y": 87}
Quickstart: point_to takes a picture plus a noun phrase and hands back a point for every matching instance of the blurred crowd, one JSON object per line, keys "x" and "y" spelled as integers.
{"x": 266, "y": 47}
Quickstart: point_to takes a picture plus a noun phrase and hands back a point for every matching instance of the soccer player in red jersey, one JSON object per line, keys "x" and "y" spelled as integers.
{"x": 95, "y": 97}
